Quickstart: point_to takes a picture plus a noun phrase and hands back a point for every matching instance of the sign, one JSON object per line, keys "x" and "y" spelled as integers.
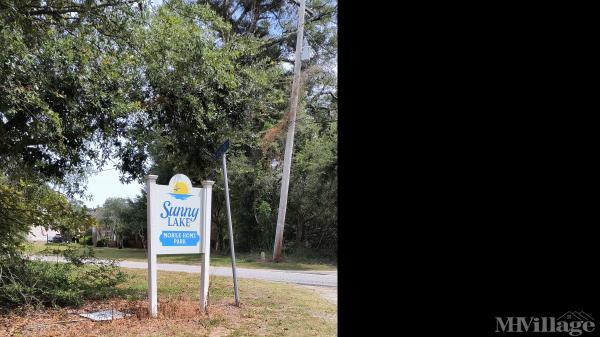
{"x": 222, "y": 149}
{"x": 181, "y": 238}
{"x": 178, "y": 223}
{"x": 105, "y": 315}
{"x": 177, "y": 218}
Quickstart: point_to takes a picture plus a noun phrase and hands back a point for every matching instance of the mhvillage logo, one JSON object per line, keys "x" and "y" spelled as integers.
{"x": 575, "y": 323}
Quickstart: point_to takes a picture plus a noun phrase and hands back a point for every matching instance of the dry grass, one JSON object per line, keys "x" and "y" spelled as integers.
{"x": 268, "y": 309}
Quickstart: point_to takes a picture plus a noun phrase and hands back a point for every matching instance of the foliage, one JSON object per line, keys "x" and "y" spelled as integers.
{"x": 102, "y": 242}
{"x": 159, "y": 90}
{"x": 87, "y": 240}
{"x": 313, "y": 194}
{"x": 258, "y": 138}
{"x": 25, "y": 204}
{"x": 135, "y": 219}
{"x": 69, "y": 87}
{"x": 27, "y": 283}
{"x": 70, "y": 253}
{"x": 111, "y": 215}
{"x": 125, "y": 218}
{"x": 67, "y": 102}
{"x": 200, "y": 91}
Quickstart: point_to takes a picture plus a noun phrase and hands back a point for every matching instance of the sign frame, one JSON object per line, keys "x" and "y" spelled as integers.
{"x": 156, "y": 198}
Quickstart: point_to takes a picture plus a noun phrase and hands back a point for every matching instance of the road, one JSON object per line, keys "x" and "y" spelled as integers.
{"x": 311, "y": 278}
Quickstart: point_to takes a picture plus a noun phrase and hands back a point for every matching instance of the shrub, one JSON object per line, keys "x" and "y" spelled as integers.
{"x": 102, "y": 243}
{"x": 86, "y": 240}
{"x": 28, "y": 283}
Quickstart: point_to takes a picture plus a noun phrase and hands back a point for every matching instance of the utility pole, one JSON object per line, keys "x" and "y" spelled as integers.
{"x": 289, "y": 142}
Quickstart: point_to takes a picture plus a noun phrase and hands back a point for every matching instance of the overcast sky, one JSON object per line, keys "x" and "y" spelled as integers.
{"x": 106, "y": 184}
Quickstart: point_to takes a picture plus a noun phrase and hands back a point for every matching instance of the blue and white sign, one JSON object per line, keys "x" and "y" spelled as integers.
{"x": 179, "y": 238}
{"x": 178, "y": 223}
{"x": 177, "y": 217}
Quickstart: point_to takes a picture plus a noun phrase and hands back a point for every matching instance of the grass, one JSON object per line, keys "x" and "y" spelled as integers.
{"x": 267, "y": 309}
{"x": 243, "y": 260}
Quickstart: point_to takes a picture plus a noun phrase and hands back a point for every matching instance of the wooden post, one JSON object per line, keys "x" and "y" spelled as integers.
{"x": 289, "y": 142}
{"x": 152, "y": 299}
{"x": 205, "y": 225}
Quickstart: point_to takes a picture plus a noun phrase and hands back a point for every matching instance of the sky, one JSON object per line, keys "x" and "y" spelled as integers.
{"x": 106, "y": 184}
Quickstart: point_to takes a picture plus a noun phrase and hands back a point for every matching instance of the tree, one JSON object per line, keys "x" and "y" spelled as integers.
{"x": 125, "y": 218}
{"x": 135, "y": 219}
{"x": 112, "y": 216}
{"x": 25, "y": 204}
{"x": 313, "y": 198}
{"x": 199, "y": 88}
{"x": 257, "y": 140}
{"x": 69, "y": 87}
{"x": 87, "y": 82}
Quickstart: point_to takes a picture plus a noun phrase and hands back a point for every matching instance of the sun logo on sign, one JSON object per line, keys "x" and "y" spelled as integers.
{"x": 180, "y": 191}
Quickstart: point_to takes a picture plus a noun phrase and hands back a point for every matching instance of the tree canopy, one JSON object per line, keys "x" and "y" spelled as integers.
{"x": 69, "y": 92}
{"x": 157, "y": 90}
{"x": 67, "y": 99}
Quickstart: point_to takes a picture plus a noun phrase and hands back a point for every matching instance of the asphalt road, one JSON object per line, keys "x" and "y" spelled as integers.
{"x": 311, "y": 278}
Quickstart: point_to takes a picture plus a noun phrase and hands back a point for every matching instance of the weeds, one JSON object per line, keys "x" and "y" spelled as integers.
{"x": 27, "y": 283}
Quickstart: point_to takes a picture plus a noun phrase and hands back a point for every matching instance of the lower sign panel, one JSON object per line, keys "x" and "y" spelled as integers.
{"x": 179, "y": 238}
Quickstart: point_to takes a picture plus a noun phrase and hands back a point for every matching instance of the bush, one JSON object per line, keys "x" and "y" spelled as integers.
{"x": 86, "y": 240}
{"x": 102, "y": 243}
{"x": 28, "y": 283}
{"x": 31, "y": 283}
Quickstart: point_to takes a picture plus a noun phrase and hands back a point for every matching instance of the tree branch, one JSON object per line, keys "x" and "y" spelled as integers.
{"x": 75, "y": 9}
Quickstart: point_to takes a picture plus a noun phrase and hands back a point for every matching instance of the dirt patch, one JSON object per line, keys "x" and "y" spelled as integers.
{"x": 175, "y": 318}
{"x": 329, "y": 293}
{"x": 219, "y": 332}
{"x": 327, "y": 317}
{"x": 267, "y": 309}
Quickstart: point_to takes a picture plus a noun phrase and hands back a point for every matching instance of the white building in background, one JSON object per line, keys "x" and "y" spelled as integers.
{"x": 38, "y": 233}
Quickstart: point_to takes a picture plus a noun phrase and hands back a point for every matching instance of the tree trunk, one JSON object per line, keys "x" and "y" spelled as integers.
{"x": 218, "y": 239}
{"x": 299, "y": 232}
{"x": 94, "y": 236}
{"x": 144, "y": 244}
{"x": 323, "y": 232}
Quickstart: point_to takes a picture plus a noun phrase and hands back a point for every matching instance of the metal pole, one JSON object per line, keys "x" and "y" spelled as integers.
{"x": 235, "y": 286}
